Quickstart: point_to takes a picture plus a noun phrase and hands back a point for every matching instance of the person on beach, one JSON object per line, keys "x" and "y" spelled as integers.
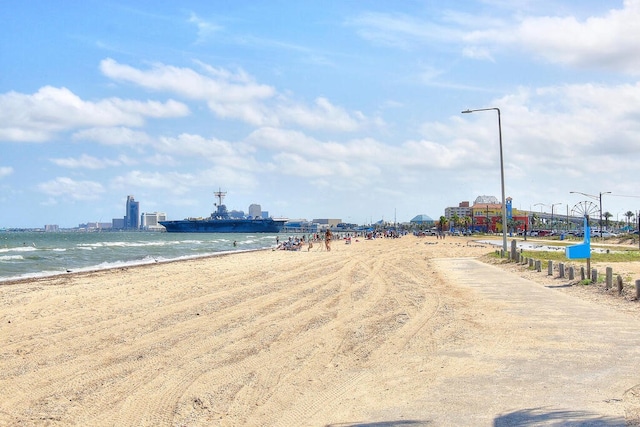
{"x": 327, "y": 239}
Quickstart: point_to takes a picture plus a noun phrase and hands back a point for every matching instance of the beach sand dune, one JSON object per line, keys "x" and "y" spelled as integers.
{"x": 262, "y": 338}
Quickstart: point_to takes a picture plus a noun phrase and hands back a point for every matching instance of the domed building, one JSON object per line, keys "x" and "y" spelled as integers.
{"x": 422, "y": 220}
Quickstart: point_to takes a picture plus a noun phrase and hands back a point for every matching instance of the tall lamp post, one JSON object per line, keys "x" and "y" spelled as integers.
{"x": 599, "y": 198}
{"x": 552, "y": 205}
{"x": 504, "y": 206}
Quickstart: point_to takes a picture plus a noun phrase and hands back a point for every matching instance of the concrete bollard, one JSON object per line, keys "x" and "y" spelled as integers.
{"x": 550, "y": 268}
{"x": 619, "y": 284}
{"x": 561, "y": 270}
{"x": 594, "y": 275}
{"x": 538, "y": 266}
{"x": 609, "y": 282}
{"x": 572, "y": 273}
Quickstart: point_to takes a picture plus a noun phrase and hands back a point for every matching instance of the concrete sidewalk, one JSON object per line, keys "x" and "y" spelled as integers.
{"x": 582, "y": 373}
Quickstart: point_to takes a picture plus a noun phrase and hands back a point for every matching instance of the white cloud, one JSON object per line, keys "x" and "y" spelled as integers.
{"x": 323, "y": 115}
{"x": 39, "y": 116}
{"x": 190, "y": 145}
{"x": 205, "y": 28}
{"x": 5, "y": 171}
{"x": 610, "y": 41}
{"x": 401, "y": 30}
{"x": 113, "y": 136}
{"x": 84, "y": 162}
{"x": 170, "y": 182}
{"x": 236, "y": 95}
{"x": 70, "y": 189}
{"x": 223, "y": 87}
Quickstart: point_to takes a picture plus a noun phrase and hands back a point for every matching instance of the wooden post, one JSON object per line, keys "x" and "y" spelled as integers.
{"x": 594, "y": 275}
{"x": 514, "y": 250}
{"x": 619, "y": 284}
{"x": 530, "y": 262}
{"x": 572, "y": 273}
{"x": 538, "y": 266}
{"x": 637, "y": 289}
{"x": 561, "y": 270}
{"x": 609, "y": 282}
{"x": 582, "y": 273}
{"x": 550, "y": 268}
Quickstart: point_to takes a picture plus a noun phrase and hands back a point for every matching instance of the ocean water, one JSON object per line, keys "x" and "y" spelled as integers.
{"x": 37, "y": 254}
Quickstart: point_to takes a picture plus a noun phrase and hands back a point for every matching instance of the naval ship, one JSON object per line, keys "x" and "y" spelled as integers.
{"x": 220, "y": 222}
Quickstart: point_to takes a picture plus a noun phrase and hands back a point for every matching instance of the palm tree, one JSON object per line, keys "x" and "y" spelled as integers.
{"x": 629, "y": 215}
{"x": 443, "y": 223}
{"x": 455, "y": 220}
{"x": 535, "y": 220}
{"x": 606, "y": 216}
{"x": 467, "y": 221}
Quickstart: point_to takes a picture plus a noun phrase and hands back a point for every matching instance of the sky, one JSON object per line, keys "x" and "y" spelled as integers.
{"x": 316, "y": 109}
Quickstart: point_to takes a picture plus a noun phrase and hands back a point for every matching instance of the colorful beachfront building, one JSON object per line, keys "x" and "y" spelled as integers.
{"x": 485, "y": 215}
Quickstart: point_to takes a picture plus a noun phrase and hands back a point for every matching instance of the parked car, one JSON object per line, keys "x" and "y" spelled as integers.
{"x": 608, "y": 234}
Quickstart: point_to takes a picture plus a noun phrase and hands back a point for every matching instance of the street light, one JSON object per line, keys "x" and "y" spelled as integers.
{"x": 541, "y": 205}
{"x": 552, "y": 205}
{"x": 504, "y": 206}
{"x": 599, "y": 198}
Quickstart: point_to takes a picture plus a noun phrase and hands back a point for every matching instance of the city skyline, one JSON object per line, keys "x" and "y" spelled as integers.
{"x": 315, "y": 109}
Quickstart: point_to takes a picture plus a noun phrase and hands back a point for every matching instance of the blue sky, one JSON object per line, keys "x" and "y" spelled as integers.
{"x": 315, "y": 109}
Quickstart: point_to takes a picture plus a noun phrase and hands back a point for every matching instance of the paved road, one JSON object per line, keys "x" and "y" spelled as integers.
{"x": 567, "y": 361}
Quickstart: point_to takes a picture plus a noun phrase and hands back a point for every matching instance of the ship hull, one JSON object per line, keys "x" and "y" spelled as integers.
{"x": 223, "y": 226}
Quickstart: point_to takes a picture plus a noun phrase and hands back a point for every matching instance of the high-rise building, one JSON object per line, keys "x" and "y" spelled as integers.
{"x": 255, "y": 211}
{"x": 132, "y": 216}
{"x": 150, "y": 221}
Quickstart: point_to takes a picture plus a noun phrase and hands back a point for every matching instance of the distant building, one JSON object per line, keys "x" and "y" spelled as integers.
{"x": 461, "y": 211}
{"x": 422, "y": 220}
{"x": 300, "y": 226}
{"x": 236, "y": 214}
{"x": 487, "y": 215}
{"x": 51, "y": 228}
{"x": 95, "y": 226}
{"x": 486, "y": 200}
{"x": 150, "y": 221}
{"x": 117, "y": 223}
{"x": 131, "y": 218}
{"x": 255, "y": 211}
{"x": 324, "y": 223}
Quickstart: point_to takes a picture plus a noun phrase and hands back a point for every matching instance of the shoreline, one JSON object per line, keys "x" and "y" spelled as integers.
{"x": 133, "y": 265}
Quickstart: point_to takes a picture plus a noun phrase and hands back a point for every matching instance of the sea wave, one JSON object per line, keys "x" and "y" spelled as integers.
{"x": 11, "y": 257}
{"x": 19, "y": 249}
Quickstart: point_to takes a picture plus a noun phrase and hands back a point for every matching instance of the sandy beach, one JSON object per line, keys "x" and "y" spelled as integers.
{"x": 354, "y": 336}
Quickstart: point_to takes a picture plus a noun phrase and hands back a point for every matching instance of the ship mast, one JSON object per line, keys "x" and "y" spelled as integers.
{"x": 220, "y": 195}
